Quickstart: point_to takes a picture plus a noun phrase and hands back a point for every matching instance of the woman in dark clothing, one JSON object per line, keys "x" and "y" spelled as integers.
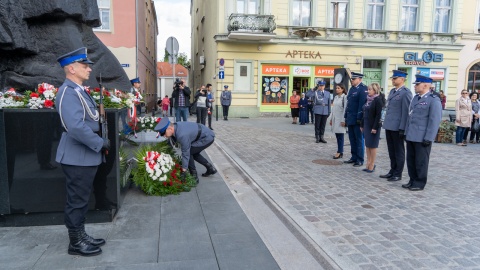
{"x": 474, "y": 135}
{"x": 303, "y": 106}
{"x": 371, "y": 123}
{"x": 202, "y": 105}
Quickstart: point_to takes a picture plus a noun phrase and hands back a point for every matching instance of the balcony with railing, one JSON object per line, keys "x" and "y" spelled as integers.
{"x": 251, "y": 26}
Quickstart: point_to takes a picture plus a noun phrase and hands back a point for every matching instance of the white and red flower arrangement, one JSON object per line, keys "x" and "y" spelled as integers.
{"x": 148, "y": 123}
{"x": 158, "y": 171}
{"x": 43, "y": 98}
{"x": 11, "y": 99}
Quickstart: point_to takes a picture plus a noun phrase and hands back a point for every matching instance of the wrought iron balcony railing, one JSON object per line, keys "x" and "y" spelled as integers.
{"x": 251, "y": 23}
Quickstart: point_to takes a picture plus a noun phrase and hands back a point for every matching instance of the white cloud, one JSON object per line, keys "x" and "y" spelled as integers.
{"x": 173, "y": 18}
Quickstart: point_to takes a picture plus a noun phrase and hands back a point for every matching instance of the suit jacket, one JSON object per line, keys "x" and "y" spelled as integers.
{"x": 321, "y": 102}
{"x": 356, "y": 97}
{"x": 79, "y": 145}
{"x": 423, "y": 119}
{"x": 226, "y": 98}
{"x": 463, "y": 112}
{"x": 375, "y": 113}
{"x": 398, "y": 104}
{"x": 185, "y": 134}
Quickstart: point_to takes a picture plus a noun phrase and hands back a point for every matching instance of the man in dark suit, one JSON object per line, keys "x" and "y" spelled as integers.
{"x": 356, "y": 98}
{"x": 396, "y": 116}
{"x": 80, "y": 149}
{"x": 425, "y": 114}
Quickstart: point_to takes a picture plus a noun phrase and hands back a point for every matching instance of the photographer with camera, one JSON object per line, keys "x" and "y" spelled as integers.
{"x": 181, "y": 94}
{"x": 202, "y": 104}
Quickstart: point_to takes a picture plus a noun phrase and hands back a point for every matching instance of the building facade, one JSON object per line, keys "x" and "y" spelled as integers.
{"x": 166, "y": 77}
{"x": 129, "y": 29}
{"x": 272, "y": 47}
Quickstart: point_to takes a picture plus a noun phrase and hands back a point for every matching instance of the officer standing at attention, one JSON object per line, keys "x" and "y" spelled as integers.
{"x": 80, "y": 149}
{"x": 321, "y": 109}
{"x": 356, "y": 98}
{"x": 193, "y": 139}
{"x": 396, "y": 116}
{"x": 424, "y": 118}
{"x": 226, "y": 101}
{"x": 136, "y": 91}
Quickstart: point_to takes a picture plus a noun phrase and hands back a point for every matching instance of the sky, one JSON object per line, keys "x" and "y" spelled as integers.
{"x": 173, "y": 18}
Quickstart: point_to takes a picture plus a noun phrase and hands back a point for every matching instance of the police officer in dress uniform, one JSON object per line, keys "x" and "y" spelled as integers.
{"x": 193, "y": 139}
{"x": 424, "y": 118}
{"x": 396, "y": 115}
{"x": 356, "y": 98}
{"x": 136, "y": 91}
{"x": 80, "y": 149}
{"x": 321, "y": 108}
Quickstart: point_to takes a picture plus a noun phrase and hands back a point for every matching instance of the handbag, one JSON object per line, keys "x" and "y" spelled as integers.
{"x": 476, "y": 125}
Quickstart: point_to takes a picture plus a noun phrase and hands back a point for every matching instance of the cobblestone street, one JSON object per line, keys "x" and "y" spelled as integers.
{"x": 360, "y": 220}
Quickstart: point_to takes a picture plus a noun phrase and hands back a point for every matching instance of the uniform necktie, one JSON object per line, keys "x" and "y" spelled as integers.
{"x": 419, "y": 97}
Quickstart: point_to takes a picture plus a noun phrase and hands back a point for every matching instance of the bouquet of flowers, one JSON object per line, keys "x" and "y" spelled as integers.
{"x": 11, "y": 99}
{"x": 158, "y": 171}
{"x": 43, "y": 98}
{"x": 148, "y": 123}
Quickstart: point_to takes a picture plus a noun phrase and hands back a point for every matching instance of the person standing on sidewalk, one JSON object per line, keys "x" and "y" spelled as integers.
{"x": 202, "y": 105}
{"x": 181, "y": 95}
{"x": 396, "y": 115}
{"x": 80, "y": 149}
{"x": 425, "y": 114}
{"x": 321, "y": 109}
{"x": 294, "y": 110}
{"x": 338, "y": 121}
{"x": 193, "y": 139}
{"x": 463, "y": 119}
{"x": 356, "y": 98}
{"x": 135, "y": 90}
{"x": 210, "y": 102}
{"x": 226, "y": 101}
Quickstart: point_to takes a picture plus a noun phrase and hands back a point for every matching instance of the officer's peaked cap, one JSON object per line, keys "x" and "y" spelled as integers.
{"x": 78, "y": 55}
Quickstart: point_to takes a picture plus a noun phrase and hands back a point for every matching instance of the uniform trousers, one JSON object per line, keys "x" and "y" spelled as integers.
{"x": 310, "y": 111}
{"x": 79, "y": 181}
{"x": 225, "y": 110}
{"x": 356, "y": 143}
{"x": 418, "y": 157}
{"x": 396, "y": 152}
{"x": 320, "y": 122}
{"x": 196, "y": 155}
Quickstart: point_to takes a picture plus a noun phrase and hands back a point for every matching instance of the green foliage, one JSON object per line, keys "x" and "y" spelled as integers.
{"x": 172, "y": 185}
{"x": 124, "y": 168}
{"x": 446, "y": 131}
{"x": 182, "y": 59}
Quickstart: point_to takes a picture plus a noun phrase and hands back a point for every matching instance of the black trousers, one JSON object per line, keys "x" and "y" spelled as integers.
{"x": 79, "y": 181}
{"x": 201, "y": 115}
{"x": 396, "y": 152}
{"x": 418, "y": 157}
{"x": 196, "y": 155}
{"x": 320, "y": 122}
{"x": 225, "y": 111}
{"x": 209, "y": 117}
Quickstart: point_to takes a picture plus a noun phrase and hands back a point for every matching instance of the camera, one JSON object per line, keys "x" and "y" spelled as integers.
{"x": 177, "y": 84}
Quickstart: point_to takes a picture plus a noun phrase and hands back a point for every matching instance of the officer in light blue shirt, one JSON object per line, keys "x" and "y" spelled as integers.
{"x": 321, "y": 109}
{"x": 424, "y": 116}
{"x": 356, "y": 98}
{"x": 396, "y": 115}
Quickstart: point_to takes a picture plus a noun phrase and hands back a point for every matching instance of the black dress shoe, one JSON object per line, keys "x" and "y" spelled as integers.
{"x": 357, "y": 164}
{"x": 349, "y": 161}
{"x": 388, "y": 175}
{"x": 415, "y": 188}
{"x": 394, "y": 178}
{"x": 47, "y": 166}
{"x": 407, "y": 185}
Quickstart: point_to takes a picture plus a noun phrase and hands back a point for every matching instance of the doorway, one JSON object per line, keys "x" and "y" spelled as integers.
{"x": 372, "y": 71}
{"x": 301, "y": 84}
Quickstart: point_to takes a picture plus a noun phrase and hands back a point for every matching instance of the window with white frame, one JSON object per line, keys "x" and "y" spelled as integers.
{"x": 249, "y": 6}
{"x": 443, "y": 10}
{"x": 104, "y": 10}
{"x": 302, "y": 12}
{"x": 375, "y": 11}
{"x": 409, "y": 15}
{"x": 339, "y": 13}
{"x": 477, "y": 21}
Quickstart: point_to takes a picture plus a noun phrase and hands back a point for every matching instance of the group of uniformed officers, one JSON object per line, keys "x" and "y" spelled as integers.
{"x": 407, "y": 118}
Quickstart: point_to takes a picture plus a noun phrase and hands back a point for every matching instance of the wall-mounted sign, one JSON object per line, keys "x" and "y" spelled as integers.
{"x": 434, "y": 73}
{"x": 125, "y": 65}
{"x": 276, "y": 69}
{"x": 414, "y": 58}
{"x": 324, "y": 71}
{"x": 302, "y": 70}
{"x": 303, "y": 54}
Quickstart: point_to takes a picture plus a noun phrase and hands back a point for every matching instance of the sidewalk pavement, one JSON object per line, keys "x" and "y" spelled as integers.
{"x": 359, "y": 220}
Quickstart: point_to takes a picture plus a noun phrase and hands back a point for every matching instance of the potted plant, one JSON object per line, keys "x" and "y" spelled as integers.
{"x": 446, "y": 132}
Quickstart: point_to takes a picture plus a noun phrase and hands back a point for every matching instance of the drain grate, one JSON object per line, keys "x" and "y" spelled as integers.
{"x": 327, "y": 162}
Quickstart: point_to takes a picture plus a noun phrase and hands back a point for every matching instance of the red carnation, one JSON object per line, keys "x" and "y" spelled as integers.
{"x": 48, "y": 103}
{"x": 96, "y": 89}
{"x": 32, "y": 95}
{"x": 41, "y": 89}
{"x": 158, "y": 120}
{"x": 106, "y": 93}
